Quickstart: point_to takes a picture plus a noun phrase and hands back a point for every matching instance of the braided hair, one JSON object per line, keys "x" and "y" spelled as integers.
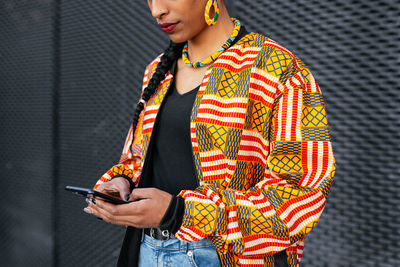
{"x": 172, "y": 53}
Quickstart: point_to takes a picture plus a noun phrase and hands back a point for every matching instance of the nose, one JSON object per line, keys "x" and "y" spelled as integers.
{"x": 158, "y": 8}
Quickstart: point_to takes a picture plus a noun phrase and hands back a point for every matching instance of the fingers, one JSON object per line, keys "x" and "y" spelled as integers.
{"x": 146, "y": 212}
{"x": 124, "y": 190}
{"x": 106, "y": 213}
{"x": 117, "y": 185}
{"x": 142, "y": 193}
{"x": 129, "y": 209}
{"x": 116, "y": 214}
{"x": 107, "y": 187}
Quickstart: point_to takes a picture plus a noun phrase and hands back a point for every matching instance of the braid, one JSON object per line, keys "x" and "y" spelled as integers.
{"x": 172, "y": 53}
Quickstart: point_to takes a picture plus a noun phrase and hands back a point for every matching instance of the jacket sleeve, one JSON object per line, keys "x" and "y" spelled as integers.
{"x": 130, "y": 162}
{"x": 287, "y": 203}
{"x": 129, "y": 165}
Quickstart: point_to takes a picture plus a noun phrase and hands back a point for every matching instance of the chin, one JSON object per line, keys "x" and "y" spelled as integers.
{"x": 177, "y": 39}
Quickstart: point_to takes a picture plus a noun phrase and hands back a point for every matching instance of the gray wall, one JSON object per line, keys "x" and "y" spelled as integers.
{"x": 70, "y": 75}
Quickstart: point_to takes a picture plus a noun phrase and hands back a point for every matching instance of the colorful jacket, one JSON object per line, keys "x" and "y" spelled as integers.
{"x": 262, "y": 151}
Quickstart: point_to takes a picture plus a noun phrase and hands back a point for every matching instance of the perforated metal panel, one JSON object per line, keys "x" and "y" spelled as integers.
{"x": 70, "y": 75}
{"x": 102, "y": 56}
{"x": 26, "y": 112}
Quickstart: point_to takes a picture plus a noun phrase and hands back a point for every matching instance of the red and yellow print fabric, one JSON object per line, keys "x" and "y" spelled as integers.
{"x": 262, "y": 152}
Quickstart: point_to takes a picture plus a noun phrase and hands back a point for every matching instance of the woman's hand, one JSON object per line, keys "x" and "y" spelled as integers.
{"x": 147, "y": 209}
{"x": 117, "y": 187}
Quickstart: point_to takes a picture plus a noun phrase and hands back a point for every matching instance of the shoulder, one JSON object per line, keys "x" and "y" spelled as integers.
{"x": 268, "y": 47}
{"x": 274, "y": 59}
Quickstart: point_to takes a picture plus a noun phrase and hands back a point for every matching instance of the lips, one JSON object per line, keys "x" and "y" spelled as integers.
{"x": 167, "y": 27}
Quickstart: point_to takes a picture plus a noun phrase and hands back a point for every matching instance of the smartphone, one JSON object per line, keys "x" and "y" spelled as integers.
{"x": 86, "y": 192}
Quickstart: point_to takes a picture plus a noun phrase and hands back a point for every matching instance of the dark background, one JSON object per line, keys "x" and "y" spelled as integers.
{"x": 70, "y": 75}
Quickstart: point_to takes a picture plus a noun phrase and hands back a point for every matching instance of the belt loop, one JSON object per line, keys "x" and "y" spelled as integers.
{"x": 142, "y": 238}
{"x": 183, "y": 246}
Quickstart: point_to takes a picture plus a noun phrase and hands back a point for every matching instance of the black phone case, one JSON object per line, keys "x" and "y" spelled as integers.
{"x": 86, "y": 192}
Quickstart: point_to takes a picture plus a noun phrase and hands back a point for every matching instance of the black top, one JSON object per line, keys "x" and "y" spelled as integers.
{"x": 171, "y": 166}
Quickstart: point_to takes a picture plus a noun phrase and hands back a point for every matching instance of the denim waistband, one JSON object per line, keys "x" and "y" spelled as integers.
{"x": 176, "y": 244}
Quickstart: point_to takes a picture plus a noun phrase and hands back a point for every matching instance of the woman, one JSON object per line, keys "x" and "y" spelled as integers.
{"x": 240, "y": 161}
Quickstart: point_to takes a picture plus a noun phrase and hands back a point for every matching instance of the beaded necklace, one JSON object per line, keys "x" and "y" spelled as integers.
{"x": 214, "y": 56}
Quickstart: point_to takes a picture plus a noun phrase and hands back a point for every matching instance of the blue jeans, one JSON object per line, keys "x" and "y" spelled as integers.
{"x": 174, "y": 252}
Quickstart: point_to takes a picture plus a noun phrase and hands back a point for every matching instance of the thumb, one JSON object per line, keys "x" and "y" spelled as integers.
{"x": 141, "y": 193}
{"x": 124, "y": 192}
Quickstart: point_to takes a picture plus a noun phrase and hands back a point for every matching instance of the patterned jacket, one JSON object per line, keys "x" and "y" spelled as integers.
{"x": 261, "y": 148}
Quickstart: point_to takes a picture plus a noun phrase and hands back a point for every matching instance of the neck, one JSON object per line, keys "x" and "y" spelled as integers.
{"x": 211, "y": 38}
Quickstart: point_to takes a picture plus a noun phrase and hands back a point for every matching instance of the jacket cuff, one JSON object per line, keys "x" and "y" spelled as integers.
{"x": 173, "y": 217}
